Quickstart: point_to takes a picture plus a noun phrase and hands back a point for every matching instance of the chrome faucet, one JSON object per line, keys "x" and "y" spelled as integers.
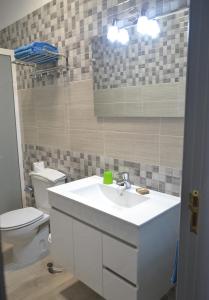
{"x": 123, "y": 180}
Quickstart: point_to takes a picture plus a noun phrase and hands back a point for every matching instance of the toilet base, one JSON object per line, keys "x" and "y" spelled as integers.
{"x": 30, "y": 250}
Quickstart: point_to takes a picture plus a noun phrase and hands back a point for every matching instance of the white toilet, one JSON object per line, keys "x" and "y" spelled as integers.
{"x": 28, "y": 228}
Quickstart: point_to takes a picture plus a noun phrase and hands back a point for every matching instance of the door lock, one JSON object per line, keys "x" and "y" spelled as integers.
{"x": 194, "y": 203}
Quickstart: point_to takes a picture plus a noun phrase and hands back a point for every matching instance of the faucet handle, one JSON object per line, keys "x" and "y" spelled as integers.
{"x": 123, "y": 180}
{"x": 122, "y": 176}
{"x": 125, "y": 176}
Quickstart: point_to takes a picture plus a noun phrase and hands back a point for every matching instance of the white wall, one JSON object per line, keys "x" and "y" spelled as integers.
{"x": 13, "y": 10}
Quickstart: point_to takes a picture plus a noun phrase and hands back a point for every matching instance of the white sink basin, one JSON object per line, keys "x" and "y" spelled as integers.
{"x": 92, "y": 195}
{"x": 110, "y": 194}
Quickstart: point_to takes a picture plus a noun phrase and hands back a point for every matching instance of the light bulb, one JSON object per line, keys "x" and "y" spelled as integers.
{"x": 153, "y": 29}
{"x": 142, "y": 25}
{"x": 112, "y": 33}
{"x": 148, "y": 27}
{"x": 123, "y": 36}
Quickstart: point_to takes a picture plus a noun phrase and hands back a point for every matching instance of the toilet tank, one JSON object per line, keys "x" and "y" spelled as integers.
{"x": 43, "y": 180}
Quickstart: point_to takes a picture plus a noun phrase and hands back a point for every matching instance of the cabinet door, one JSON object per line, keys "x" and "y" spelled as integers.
{"x": 88, "y": 255}
{"x": 62, "y": 240}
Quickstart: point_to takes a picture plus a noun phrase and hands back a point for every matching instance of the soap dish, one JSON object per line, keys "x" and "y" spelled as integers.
{"x": 142, "y": 191}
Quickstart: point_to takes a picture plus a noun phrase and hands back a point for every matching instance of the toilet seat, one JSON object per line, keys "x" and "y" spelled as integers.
{"x": 20, "y": 218}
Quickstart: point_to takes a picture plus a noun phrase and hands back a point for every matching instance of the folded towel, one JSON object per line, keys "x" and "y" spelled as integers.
{"x": 49, "y": 174}
{"x": 37, "y": 46}
{"x": 36, "y": 53}
{"x": 37, "y": 58}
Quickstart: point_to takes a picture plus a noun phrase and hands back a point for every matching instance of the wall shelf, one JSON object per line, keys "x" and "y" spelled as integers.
{"x": 39, "y": 74}
{"x": 47, "y": 68}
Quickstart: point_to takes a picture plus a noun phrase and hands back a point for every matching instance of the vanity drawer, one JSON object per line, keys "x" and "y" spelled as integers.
{"x": 115, "y": 288}
{"x": 121, "y": 258}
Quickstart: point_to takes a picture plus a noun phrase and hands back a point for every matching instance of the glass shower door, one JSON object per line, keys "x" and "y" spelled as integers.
{"x": 10, "y": 181}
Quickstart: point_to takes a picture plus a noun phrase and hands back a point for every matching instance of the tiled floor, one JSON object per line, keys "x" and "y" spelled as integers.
{"x": 36, "y": 283}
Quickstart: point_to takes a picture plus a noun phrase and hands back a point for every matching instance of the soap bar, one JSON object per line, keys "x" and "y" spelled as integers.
{"x": 107, "y": 177}
{"x": 142, "y": 191}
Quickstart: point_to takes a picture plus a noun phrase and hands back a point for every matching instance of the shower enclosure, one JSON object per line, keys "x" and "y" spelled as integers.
{"x": 11, "y": 169}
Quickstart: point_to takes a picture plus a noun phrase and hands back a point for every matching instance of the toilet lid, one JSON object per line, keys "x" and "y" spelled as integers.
{"x": 19, "y": 218}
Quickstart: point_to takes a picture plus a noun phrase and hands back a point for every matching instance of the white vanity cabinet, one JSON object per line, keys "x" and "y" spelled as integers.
{"x": 122, "y": 253}
{"x": 78, "y": 248}
{"x": 62, "y": 249}
{"x": 88, "y": 255}
{"x": 106, "y": 265}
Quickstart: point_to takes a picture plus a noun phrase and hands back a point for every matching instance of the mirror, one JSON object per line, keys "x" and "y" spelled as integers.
{"x": 146, "y": 77}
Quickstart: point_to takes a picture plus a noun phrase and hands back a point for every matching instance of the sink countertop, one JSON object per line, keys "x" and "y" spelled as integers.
{"x": 150, "y": 206}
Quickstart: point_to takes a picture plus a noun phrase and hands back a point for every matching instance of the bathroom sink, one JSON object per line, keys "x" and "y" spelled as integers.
{"x": 91, "y": 198}
{"x": 110, "y": 194}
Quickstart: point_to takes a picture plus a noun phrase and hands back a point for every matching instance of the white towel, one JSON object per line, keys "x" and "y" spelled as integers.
{"x": 49, "y": 174}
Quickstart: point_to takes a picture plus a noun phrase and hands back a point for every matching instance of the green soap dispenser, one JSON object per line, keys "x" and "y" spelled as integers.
{"x": 108, "y": 177}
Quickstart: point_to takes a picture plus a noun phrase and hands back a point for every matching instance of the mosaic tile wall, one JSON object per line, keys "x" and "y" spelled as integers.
{"x": 78, "y": 165}
{"x": 143, "y": 60}
{"x": 70, "y": 25}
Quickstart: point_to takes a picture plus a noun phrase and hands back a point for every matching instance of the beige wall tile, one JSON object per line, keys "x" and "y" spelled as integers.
{"x": 87, "y": 141}
{"x": 105, "y": 109}
{"x": 25, "y": 96}
{"x": 133, "y": 147}
{"x": 132, "y": 94}
{"x": 163, "y": 108}
{"x": 64, "y": 117}
{"x": 81, "y": 92}
{"x": 156, "y": 100}
{"x": 30, "y": 135}
{"x": 147, "y": 148}
{"x": 118, "y": 109}
{"x": 50, "y": 95}
{"x": 103, "y": 96}
{"x": 27, "y": 107}
{"x": 119, "y": 145}
{"x": 133, "y": 125}
{"x": 27, "y": 115}
{"x": 132, "y": 109}
{"x": 181, "y": 108}
{"x": 123, "y": 94}
{"x": 159, "y": 92}
{"x": 83, "y": 117}
{"x": 53, "y": 137}
{"x": 81, "y": 113}
{"x": 172, "y": 126}
{"x": 171, "y": 150}
{"x": 53, "y": 116}
{"x": 182, "y": 90}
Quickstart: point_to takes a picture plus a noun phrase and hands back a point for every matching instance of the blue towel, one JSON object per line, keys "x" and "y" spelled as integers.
{"x": 175, "y": 266}
{"x": 36, "y": 53}
{"x": 37, "y": 46}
